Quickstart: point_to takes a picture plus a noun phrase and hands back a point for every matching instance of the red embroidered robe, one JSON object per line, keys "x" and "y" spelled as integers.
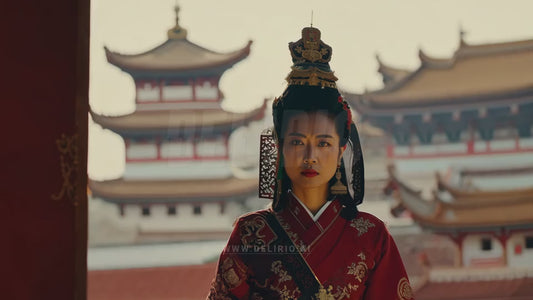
{"x": 355, "y": 259}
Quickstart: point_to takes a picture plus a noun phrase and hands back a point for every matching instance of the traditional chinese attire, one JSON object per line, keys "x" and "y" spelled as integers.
{"x": 355, "y": 259}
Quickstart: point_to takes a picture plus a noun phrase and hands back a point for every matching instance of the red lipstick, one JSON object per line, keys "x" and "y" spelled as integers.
{"x": 309, "y": 173}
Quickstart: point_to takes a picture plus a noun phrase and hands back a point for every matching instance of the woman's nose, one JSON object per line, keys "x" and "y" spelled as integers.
{"x": 310, "y": 157}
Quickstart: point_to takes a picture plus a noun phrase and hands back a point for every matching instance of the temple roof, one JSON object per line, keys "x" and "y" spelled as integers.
{"x": 177, "y": 55}
{"x": 459, "y": 213}
{"x": 475, "y": 73}
{"x": 466, "y": 194}
{"x": 148, "y": 122}
{"x": 391, "y": 74}
{"x": 122, "y": 190}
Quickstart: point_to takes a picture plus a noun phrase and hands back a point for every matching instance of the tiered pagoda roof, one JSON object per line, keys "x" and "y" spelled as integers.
{"x": 464, "y": 213}
{"x": 487, "y": 73}
{"x": 177, "y": 55}
{"x": 165, "y": 121}
{"x": 160, "y": 191}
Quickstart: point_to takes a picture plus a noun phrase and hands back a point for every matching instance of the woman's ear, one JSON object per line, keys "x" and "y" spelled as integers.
{"x": 341, "y": 151}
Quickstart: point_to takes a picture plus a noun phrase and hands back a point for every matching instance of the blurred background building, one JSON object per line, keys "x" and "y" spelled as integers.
{"x": 179, "y": 183}
{"x": 457, "y": 137}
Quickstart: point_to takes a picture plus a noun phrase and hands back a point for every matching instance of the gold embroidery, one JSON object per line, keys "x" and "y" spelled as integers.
{"x": 250, "y": 232}
{"x": 283, "y": 291}
{"x": 219, "y": 291}
{"x": 359, "y": 271}
{"x": 227, "y": 263}
{"x": 324, "y": 294}
{"x": 229, "y": 274}
{"x": 69, "y": 164}
{"x": 345, "y": 291}
{"x": 361, "y": 225}
{"x": 277, "y": 269}
{"x": 293, "y": 235}
{"x": 231, "y": 278}
{"x": 361, "y": 256}
{"x": 404, "y": 289}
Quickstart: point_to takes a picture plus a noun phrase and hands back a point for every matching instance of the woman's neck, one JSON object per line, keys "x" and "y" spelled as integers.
{"x": 312, "y": 198}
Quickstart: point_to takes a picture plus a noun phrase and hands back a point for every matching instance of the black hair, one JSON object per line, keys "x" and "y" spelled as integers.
{"x": 298, "y": 99}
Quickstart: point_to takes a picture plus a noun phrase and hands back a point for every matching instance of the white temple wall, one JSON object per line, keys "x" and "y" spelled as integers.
{"x": 176, "y": 149}
{"x": 526, "y": 143}
{"x": 208, "y": 169}
{"x": 177, "y": 92}
{"x": 500, "y": 145}
{"x": 148, "y": 92}
{"x": 212, "y": 147}
{"x": 158, "y": 211}
{"x": 185, "y": 220}
{"x": 206, "y": 91}
{"x": 473, "y": 255}
{"x": 523, "y": 257}
{"x": 440, "y": 148}
{"x": 178, "y": 105}
{"x": 132, "y": 212}
{"x": 140, "y": 151}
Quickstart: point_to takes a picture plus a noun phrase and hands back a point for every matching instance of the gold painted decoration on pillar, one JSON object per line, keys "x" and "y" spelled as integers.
{"x": 69, "y": 164}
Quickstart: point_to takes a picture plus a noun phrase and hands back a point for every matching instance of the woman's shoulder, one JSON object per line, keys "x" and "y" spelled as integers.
{"x": 370, "y": 217}
{"x": 254, "y": 215}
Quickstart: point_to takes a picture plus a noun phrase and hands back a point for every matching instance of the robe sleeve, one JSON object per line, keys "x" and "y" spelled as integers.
{"x": 388, "y": 280}
{"x": 230, "y": 281}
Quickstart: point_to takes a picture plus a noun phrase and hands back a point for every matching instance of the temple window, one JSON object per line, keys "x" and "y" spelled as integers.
{"x": 171, "y": 210}
{"x": 529, "y": 242}
{"x": 486, "y": 244}
{"x": 197, "y": 210}
{"x": 145, "y": 211}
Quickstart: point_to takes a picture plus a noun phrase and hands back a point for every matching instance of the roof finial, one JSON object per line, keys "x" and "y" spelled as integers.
{"x": 177, "y": 10}
{"x": 311, "y": 18}
{"x": 462, "y": 34}
{"x": 177, "y": 32}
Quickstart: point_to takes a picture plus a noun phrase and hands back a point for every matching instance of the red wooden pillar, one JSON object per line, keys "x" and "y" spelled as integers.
{"x": 503, "y": 238}
{"x": 458, "y": 240}
{"x": 45, "y": 57}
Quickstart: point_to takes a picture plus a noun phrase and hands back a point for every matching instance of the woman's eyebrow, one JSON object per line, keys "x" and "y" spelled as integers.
{"x": 324, "y": 136}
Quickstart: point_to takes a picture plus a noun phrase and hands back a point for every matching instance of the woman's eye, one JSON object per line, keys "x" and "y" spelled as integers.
{"x": 296, "y": 142}
{"x": 324, "y": 144}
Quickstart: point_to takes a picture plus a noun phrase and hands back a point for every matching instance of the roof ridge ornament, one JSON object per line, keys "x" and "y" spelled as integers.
{"x": 310, "y": 57}
{"x": 462, "y": 34}
{"x": 177, "y": 32}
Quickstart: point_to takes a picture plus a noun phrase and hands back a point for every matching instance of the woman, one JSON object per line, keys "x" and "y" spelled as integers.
{"x": 312, "y": 243}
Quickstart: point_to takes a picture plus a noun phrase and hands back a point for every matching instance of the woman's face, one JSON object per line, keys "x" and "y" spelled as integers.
{"x": 311, "y": 150}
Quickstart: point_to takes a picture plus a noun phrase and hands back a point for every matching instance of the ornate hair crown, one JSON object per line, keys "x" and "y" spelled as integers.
{"x": 310, "y": 57}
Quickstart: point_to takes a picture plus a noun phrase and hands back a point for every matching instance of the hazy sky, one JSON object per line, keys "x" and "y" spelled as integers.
{"x": 356, "y": 30}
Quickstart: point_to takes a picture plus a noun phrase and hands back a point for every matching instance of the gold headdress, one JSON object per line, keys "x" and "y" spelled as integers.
{"x": 310, "y": 57}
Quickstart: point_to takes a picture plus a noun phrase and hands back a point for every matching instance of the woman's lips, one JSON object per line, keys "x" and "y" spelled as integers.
{"x": 309, "y": 173}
